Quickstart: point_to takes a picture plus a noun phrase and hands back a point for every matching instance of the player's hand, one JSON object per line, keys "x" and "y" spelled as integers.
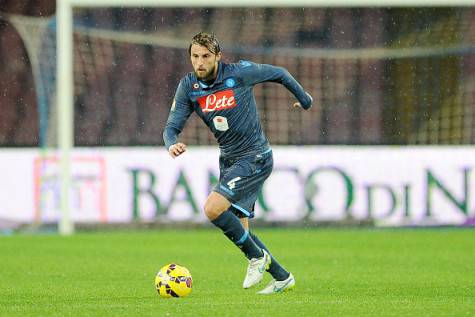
{"x": 177, "y": 149}
{"x": 298, "y": 105}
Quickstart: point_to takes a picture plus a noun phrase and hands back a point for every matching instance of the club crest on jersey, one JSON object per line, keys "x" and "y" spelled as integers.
{"x": 230, "y": 82}
{"x": 218, "y": 101}
{"x": 196, "y": 86}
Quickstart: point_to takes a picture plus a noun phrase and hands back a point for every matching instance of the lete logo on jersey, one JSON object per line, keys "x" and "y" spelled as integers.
{"x": 218, "y": 101}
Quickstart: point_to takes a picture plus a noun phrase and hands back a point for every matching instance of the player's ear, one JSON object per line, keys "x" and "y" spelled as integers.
{"x": 218, "y": 57}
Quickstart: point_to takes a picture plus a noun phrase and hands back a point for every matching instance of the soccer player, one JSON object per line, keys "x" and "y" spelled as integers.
{"x": 222, "y": 96}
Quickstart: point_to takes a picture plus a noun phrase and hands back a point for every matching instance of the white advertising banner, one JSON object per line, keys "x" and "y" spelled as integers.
{"x": 390, "y": 186}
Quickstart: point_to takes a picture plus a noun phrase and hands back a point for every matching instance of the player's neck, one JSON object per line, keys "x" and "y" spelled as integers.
{"x": 209, "y": 81}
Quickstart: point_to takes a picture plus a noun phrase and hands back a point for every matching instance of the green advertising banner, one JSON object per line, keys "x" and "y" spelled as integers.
{"x": 386, "y": 186}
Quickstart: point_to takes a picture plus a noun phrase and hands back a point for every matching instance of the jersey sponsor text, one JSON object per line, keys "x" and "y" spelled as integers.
{"x": 218, "y": 101}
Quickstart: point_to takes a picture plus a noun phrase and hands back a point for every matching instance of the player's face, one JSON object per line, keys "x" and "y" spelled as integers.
{"x": 205, "y": 63}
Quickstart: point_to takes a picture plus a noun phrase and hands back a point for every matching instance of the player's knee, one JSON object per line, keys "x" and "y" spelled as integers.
{"x": 212, "y": 210}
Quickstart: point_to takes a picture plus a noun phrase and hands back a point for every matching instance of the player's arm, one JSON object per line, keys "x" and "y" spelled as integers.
{"x": 253, "y": 73}
{"x": 180, "y": 112}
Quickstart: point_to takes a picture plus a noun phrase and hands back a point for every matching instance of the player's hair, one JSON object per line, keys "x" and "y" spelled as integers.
{"x": 207, "y": 40}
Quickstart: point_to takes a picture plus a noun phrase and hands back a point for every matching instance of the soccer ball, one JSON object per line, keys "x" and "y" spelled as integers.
{"x": 173, "y": 280}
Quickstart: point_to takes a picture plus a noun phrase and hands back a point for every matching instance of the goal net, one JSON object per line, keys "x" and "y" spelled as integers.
{"x": 378, "y": 76}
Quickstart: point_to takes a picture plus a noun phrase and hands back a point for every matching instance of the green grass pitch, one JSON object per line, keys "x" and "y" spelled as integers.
{"x": 339, "y": 272}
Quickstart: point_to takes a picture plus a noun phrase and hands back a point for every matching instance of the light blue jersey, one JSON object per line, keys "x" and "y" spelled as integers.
{"x": 228, "y": 106}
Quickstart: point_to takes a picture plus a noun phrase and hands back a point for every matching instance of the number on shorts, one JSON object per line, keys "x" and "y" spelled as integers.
{"x": 232, "y": 183}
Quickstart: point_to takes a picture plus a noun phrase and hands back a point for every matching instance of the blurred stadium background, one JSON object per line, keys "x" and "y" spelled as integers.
{"x": 380, "y": 76}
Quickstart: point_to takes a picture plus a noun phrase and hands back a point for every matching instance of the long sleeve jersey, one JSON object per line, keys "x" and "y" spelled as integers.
{"x": 228, "y": 106}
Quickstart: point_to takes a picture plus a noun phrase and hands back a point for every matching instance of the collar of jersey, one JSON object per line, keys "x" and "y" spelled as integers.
{"x": 218, "y": 80}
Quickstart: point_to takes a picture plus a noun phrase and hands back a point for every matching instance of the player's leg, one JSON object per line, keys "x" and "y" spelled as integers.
{"x": 282, "y": 279}
{"x": 275, "y": 269}
{"x": 245, "y": 222}
{"x": 244, "y": 191}
{"x": 257, "y": 266}
{"x": 217, "y": 210}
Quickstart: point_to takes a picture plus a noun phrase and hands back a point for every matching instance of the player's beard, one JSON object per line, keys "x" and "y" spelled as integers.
{"x": 208, "y": 76}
